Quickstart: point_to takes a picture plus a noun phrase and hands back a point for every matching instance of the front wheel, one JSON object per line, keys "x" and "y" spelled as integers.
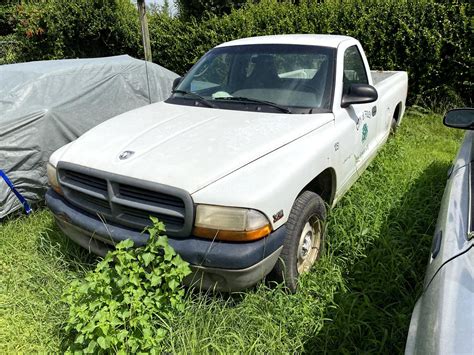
{"x": 304, "y": 239}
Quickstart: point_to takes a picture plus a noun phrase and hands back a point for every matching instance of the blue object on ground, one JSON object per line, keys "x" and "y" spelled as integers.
{"x": 20, "y": 197}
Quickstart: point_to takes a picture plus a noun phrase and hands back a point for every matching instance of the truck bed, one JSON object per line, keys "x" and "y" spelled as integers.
{"x": 378, "y": 76}
{"x": 392, "y": 88}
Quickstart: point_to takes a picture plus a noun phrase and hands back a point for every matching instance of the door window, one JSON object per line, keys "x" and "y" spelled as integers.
{"x": 354, "y": 69}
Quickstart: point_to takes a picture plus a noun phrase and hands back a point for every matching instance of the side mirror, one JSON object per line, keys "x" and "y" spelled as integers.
{"x": 176, "y": 82}
{"x": 460, "y": 118}
{"x": 359, "y": 94}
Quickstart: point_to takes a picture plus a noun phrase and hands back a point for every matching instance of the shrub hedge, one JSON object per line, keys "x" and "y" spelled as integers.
{"x": 56, "y": 29}
{"x": 431, "y": 40}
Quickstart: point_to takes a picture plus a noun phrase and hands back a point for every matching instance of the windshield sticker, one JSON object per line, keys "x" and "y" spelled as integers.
{"x": 365, "y": 132}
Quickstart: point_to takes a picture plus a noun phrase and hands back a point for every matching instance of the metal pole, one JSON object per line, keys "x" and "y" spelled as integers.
{"x": 145, "y": 32}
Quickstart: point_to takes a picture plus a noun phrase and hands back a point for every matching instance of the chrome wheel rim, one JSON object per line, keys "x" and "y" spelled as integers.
{"x": 309, "y": 244}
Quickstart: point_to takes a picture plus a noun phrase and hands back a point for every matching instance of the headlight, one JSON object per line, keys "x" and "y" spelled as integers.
{"x": 53, "y": 178}
{"x": 230, "y": 223}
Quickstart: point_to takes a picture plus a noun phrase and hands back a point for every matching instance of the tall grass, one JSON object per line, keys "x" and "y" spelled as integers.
{"x": 36, "y": 264}
{"x": 359, "y": 298}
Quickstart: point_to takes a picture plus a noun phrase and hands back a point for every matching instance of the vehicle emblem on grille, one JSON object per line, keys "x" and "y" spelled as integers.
{"x": 126, "y": 154}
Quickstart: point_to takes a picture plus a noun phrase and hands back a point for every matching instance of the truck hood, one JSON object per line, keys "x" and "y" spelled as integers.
{"x": 184, "y": 146}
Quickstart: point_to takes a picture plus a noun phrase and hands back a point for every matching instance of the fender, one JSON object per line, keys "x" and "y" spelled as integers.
{"x": 272, "y": 183}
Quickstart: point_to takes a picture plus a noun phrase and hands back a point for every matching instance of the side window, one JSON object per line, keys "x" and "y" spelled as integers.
{"x": 354, "y": 69}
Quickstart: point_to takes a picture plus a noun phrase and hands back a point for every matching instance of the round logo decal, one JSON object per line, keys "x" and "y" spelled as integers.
{"x": 365, "y": 131}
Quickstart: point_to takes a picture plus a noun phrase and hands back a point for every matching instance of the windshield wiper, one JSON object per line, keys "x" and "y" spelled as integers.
{"x": 255, "y": 101}
{"x": 196, "y": 96}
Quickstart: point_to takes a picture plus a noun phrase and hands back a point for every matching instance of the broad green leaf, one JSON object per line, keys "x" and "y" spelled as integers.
{"x": 102, "y": 342}
{"x": 125, "y": 244}
{"x": 147, "y": 258}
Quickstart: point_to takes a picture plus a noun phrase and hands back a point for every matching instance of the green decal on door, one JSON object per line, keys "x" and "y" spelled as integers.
{"x": 365, "y": 131}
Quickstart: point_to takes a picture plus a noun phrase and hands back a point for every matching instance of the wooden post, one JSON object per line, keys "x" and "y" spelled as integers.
{"x": 145, "y": 32}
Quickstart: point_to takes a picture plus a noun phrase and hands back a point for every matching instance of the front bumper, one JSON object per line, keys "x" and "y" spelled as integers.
{"x": 216, "y": 265}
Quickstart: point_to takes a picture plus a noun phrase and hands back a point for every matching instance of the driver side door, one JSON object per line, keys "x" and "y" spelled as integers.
{"x": 363, "y": 115}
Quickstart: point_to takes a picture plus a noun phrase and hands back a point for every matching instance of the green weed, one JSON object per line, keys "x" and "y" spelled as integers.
{"x": 122, "y": 305}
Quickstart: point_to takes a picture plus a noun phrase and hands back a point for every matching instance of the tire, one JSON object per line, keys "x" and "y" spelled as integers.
{"x": 393, "y": 127}
{"x": 304, "y": 239}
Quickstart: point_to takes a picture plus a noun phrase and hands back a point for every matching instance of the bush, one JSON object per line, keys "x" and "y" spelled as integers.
{"x": 56, "y": 29}
{"x": 8, "y": 42}
{"x": 198, "y": 8}
{"x": 122, "y": 304}
{"x": 6, "y": 17}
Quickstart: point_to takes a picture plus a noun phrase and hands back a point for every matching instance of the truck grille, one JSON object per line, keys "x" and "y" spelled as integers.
{"x": 127, "y": 201}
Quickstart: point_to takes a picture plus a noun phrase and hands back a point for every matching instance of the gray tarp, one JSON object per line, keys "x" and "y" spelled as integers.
{"x": 44, "y": 105}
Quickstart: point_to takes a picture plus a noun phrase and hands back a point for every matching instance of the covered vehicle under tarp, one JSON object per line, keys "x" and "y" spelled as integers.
{"x": 45, "y": 105}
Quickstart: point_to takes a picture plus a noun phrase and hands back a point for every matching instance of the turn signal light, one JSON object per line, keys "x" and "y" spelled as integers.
{"x": 233, "y": 236}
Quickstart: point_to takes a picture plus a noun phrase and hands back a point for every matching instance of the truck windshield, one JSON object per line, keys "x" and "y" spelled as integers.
{"x": 290, "y": 78}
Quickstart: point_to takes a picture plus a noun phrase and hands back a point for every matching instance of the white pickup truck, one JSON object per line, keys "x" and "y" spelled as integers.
{"x": 240, "y": 163}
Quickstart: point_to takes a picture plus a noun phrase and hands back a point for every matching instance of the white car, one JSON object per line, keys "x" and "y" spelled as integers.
{"x": 443, "y": 319}
{"x": 240, "y": 163}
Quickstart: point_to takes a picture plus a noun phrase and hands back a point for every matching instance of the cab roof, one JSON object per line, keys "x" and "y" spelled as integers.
{"x": 332, "y": 41}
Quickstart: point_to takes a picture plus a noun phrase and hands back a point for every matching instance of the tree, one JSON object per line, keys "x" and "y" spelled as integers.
{"x": 197, "y": 8}
{"x": 165, "y": 9}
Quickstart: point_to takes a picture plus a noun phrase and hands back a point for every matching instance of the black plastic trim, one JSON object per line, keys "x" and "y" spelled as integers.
{"x": 359, "y": 94}
{"x": 116, "y": 210}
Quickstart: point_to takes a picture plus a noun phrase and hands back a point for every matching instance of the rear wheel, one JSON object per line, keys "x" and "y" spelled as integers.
{"x": 304, "y": 239}
{"x": 395, "y": 118}
{"x": 393, "y": 126}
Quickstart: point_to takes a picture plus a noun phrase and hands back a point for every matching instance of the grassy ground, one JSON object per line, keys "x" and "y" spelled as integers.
{"x": 358, "y": 299}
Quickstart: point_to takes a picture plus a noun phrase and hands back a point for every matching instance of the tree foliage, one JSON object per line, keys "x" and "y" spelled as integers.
{"x": 55, "y": 29}
{"x": 198, "y": 8}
